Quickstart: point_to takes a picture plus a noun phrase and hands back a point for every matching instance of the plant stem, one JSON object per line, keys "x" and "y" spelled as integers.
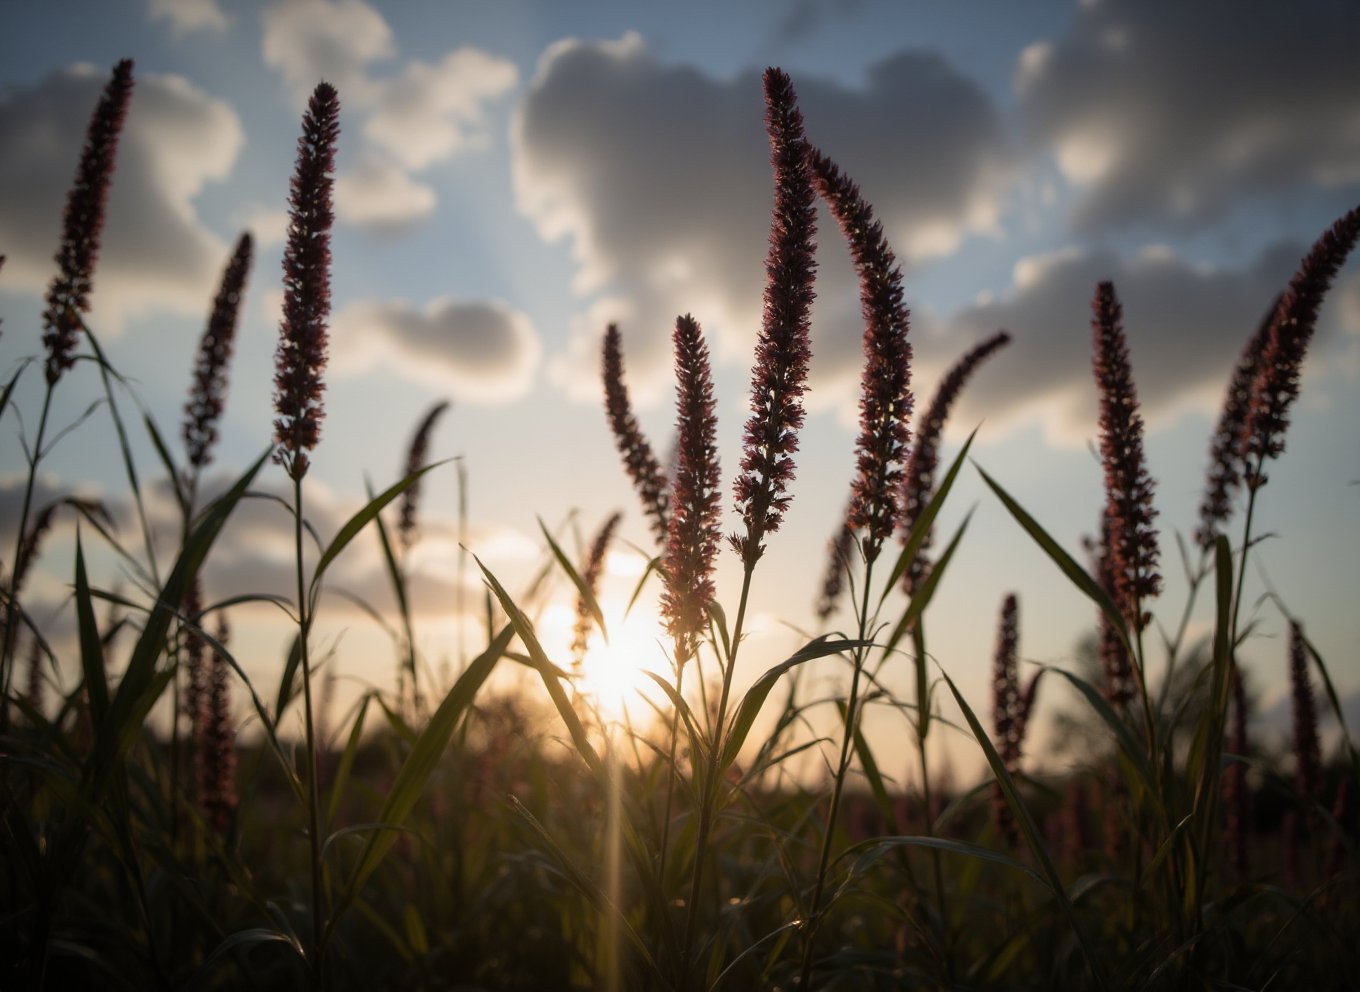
{"x": 11, "y": 598}
{"x": 313, "y": 796}
{"x": 708, "y": 786}
{"x": 838, "y": 785}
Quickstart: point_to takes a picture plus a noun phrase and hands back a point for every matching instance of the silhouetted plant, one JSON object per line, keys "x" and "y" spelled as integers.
{"x": 643, "y": 468}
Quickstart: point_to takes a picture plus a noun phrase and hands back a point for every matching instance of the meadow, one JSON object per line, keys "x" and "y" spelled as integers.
{"x": 436, "y": 835}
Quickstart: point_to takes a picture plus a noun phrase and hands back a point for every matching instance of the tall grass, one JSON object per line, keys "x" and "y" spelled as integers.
{"x": 453, "y": 843}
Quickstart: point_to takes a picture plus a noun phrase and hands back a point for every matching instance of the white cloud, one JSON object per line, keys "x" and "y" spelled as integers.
{"x": 476, "y": 351}
{"x": 658, "y": 176}
{"x": 156, "y": 254}
{"x": 1179, "y": 112}
{"x": 1185, "y": 324}
{"x": 432, "y": 112}
{"x": 379, "y": 194}
{"x": 188, "y": 15}
{"x": 426, "y": 114}
{"x": 334, "y": 40}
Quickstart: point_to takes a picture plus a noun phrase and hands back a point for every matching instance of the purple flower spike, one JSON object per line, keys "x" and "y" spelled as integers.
{"x": 643, "y": 468}
{"x": 692, "y": 542}
{"x": 886, "y": 401}
{"x": 779, "y": 379}
{"x": 209, "y": 391}
{"x": 1132, "y": 543}
{"x": 416, "y": 457}
{"x": 69, "y": 295}
{"x": 919, "y": 483}
{"x": 1277, "y": 374}
{"x": 301, "y": 355}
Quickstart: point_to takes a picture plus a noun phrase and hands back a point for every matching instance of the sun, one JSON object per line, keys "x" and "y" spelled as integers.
{"x": 614, "y": 672}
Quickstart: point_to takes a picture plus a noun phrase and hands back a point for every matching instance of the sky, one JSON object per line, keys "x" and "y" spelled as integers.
{"x": 511, "y": 177}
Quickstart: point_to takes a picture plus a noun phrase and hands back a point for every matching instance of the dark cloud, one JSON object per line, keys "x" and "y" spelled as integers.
{"x": 479, "y": 351}
{"x": 1186, "y": 326}
{"x": 156, "y": 255}
{"x": 659, "y": 177}
{"x": 1175, "y": 112}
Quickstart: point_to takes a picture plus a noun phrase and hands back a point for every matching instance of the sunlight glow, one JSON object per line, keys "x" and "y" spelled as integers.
{"x": 613, "y": 674}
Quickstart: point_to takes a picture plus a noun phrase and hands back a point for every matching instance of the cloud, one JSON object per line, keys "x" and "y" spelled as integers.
{"x": 425, "y": 115}
{"x": 1176, "y": 112}
{"x": 188, "y": 15}
{"x": 430, "y": 112}
{"x": 478, "y": 351}
{"x": 1186, "y": 326}
{"x": 156, "y": 254}
{"x": 658, "y": 176}
{"x": 379, "y": 194}
{"x": 334, "y": 40}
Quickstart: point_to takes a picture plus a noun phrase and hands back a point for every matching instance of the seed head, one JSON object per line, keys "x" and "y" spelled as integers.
{"x": 779, "y": 374}
{"x": 1277, "y": 373}
{"x": 838, "y": 560}
{"x": 594, "y": 568}
{"x": 919, "y": 478}
{"x": 693, "y": 537}
{"x": 217, "y": 745}
{"x": 416, "y": 457}
{"x": 1132, "y": 541}
{"x": 643, "y": 468}
{"x": 885, "y": 401}
{"x": 1225, "y": 454}
{"x": 301, "y": 355}
{"x": 208, "y": 394}
{"x": 69, "y": 295}
{"x": 1007, "y": 718}
{"x": 1307, "y": 754}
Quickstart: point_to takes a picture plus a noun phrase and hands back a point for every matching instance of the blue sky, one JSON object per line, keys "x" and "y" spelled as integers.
{"x": 512, "y": 176}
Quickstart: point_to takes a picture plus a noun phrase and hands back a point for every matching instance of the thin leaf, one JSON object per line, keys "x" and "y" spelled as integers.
{"x": 582, "y": 586}
{"x": 417, "y": 768}
{"x": 1029, "y": 828}
{"x": 168, "y": 462}
{"x": 755, "y": 697}
{"x": 925, "y": 521}
{"x": 1074, "y": 572}
{"x": 360, "y": 520}
{"x": 922, "y": 597}
{"x": 547, "y": 671}
{"x": 91, "y": 648}
{"x": 342, "y": 771}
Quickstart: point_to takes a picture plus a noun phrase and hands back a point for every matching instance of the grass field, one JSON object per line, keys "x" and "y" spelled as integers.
{"x": 438, "y": 836}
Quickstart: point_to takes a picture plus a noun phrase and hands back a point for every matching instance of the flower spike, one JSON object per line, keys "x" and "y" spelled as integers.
{"x": 301, "y": 355}
{"x": 1277, "y": 374}
{"x": 69, "y": 295}
{"x": 643, "y": 468}
{"x": 919, "y": 481}
{"x": 779, "y": 378}
{"x": 1132, "y": 543}
{"x": 886, "y": 401}
{"x": 416, "y": 456}
{"x": 207, "y": 396}
{"x": 693, "y": 539}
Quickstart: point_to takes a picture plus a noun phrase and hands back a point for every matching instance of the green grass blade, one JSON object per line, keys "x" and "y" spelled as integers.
{"x": 360, "y": 520}
{"x": 547, "y": 671}
{"x": 416, "y": 770}
{"x": 1074, "y": 572}
{"x": 749, "y": 707}
{"x": 1029, "y": 828}
{"x": 141, "y": 685}
{"x": 582, "y": 586}
{"x": 168, "y": 463}
{"x": 342, "y": 770}
{"x": 925, "y": 521}
{"x": 923, "y": 595}
{"x": 91, "y": 648}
